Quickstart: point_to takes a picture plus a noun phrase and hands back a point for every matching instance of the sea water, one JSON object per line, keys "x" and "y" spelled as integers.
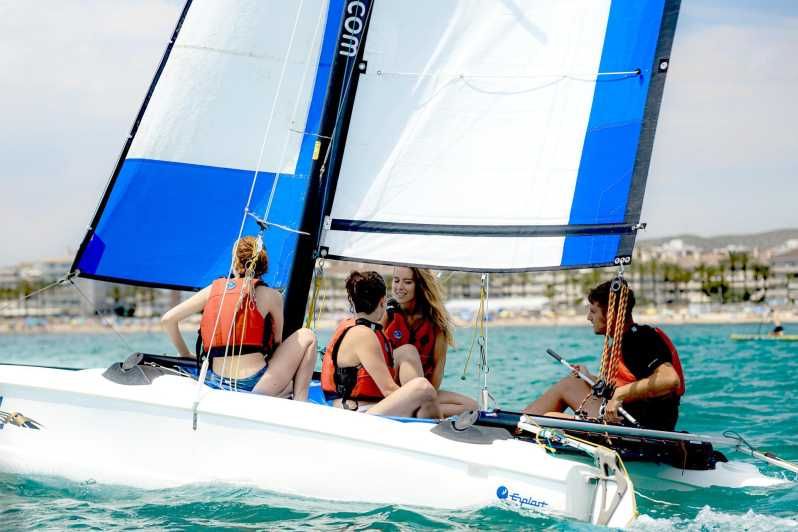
{"x": 748, "y": 387}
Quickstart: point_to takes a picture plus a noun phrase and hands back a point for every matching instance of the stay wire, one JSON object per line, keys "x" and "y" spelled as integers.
{"x": 60, "y": 281}
{"x": 476, "y": 333}
{"x": 100, "y": 316}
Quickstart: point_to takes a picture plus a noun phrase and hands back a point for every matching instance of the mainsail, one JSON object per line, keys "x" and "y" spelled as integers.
{"x": 498, "y": 135}
{"x": 230, "y": 125}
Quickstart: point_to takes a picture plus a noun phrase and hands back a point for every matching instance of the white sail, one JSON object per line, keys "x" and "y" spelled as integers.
{"x": 469, "y": 144}
{"x": 230, "y": 125}
{"x": 240, "y": 72}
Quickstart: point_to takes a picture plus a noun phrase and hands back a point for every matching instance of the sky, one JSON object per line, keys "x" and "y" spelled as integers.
{"x": 73, "y": 74}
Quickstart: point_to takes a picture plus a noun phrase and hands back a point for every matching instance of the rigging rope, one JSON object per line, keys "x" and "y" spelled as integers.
{"x": 479, "y": 330}
{"x": 311, "y": 320}
{"x": 485, "y": 396}
{"x": 204, "y": 368}
{"x": 60, "y": 281}
{"x": 613, "y": 344}
{"x": 294, "y": 111}
{"x": 69, "y": 278}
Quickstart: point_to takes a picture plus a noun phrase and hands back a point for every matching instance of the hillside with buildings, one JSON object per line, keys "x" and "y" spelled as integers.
{"x": 685, "y": 276}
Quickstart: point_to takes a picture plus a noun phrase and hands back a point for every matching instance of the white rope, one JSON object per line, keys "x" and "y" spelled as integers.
{"x": 265, "y": 224}
{"x": 204, "y": 369}
{"x": 293, "y": 115}
{"x": 652, "y": 499}
{"x": 552, "y": 79}
{"x": 419, "y": 75}
{"x": 308, "y": 133}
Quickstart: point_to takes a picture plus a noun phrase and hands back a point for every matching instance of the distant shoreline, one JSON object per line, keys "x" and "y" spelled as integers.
{"x": 152, "y": 325}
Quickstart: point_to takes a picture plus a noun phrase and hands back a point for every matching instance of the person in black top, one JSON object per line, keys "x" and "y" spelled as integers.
{"x": 648, "y": 383}
{"x": 778, "y": 330}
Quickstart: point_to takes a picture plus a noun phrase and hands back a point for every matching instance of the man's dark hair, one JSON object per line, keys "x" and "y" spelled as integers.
{"x": 365, "y": 289}
{"x": 601, "y": 296}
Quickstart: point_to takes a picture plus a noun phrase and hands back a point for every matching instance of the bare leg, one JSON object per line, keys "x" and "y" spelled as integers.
{"x": 294, "y": 360}
{"x": 453, "y": 403}
{"x": 568, "y": 393}
{"x": 407, "y": 363}
{"x": 408, "y": 367}
{"x": 406, "y": 400}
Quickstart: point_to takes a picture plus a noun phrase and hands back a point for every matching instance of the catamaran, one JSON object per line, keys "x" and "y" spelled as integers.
{"x": 473, "y": 135}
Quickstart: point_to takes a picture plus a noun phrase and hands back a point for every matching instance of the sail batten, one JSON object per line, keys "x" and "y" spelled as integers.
{"x": 482, "y": 230}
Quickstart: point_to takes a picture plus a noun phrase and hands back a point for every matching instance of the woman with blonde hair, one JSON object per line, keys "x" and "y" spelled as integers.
{"x": 418, "y": 317}
{"x": 242, "y": 331}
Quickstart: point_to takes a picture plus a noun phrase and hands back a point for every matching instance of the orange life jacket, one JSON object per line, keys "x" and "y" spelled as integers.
{"x": 353, "y": 382}
{"x": 241, "y": 325}
{"x": 624, "y": 376}
{"x": 422, "y": 336}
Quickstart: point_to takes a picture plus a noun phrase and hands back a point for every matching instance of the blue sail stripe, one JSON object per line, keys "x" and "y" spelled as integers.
{"x": 613, "y": 130}
{"x": 173, "y": 223}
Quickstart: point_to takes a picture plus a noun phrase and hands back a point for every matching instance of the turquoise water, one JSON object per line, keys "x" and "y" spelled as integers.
{"x": 744, "y": 386}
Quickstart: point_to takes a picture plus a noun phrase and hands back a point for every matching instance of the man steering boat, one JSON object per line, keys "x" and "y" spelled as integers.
{"x": 641, "y": 369}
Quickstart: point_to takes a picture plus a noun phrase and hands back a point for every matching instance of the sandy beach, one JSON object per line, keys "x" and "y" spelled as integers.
{"x": 108, "y": 324}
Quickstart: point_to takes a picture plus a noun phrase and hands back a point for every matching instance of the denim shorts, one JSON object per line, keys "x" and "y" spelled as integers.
{"x": 245, "y": 384}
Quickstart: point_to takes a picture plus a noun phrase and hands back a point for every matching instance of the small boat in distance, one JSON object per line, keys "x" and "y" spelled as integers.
{"x": 739, "y": 337}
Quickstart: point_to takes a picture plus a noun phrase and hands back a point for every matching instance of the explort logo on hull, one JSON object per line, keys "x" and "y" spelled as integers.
{"x": 353, "y": 27}
{"x": 504, "y": 494}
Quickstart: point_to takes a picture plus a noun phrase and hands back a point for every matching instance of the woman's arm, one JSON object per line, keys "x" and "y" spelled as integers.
{"x": 439, "y": 358}
{"x": 369, "y": 354}
{"x": 270, "y": 301}
{"x": 171, "y": 320}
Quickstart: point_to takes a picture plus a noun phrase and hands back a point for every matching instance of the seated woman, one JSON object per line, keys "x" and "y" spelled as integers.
{"x": 418, "y": 318}
{"x": 242, "y": 331}
{"x": 363, "y": 371}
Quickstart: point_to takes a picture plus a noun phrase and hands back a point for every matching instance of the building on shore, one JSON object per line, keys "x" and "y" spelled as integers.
{"x": 32, "y": 289}
{"x": 674, "y": 276}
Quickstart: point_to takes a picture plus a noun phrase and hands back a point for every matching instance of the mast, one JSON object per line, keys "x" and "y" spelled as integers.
{"x": 347, "y": 66}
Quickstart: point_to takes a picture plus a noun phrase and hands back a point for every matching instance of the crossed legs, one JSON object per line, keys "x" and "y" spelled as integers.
{"x": 416, "y": 396}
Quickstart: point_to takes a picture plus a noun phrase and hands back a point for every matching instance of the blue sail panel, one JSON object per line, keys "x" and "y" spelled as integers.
{"x": 162, "y": 218}
{"x": 607, "y": 167}
{"x": 235, "y": 102}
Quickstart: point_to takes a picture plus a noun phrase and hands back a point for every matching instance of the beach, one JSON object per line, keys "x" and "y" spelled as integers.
{"x": 65, "y": 325}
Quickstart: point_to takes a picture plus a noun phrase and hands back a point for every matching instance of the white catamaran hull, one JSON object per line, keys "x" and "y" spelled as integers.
{"x": 79, "y": 425}
{"x": 733, "y": 474}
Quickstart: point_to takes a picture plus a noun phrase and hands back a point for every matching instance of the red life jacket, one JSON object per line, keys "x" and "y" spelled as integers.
{"x": 353, "y": 382}
{"x": 624, "y": 376}
{"x": 422, "y": 336}
{"x": 241, "y": 325}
